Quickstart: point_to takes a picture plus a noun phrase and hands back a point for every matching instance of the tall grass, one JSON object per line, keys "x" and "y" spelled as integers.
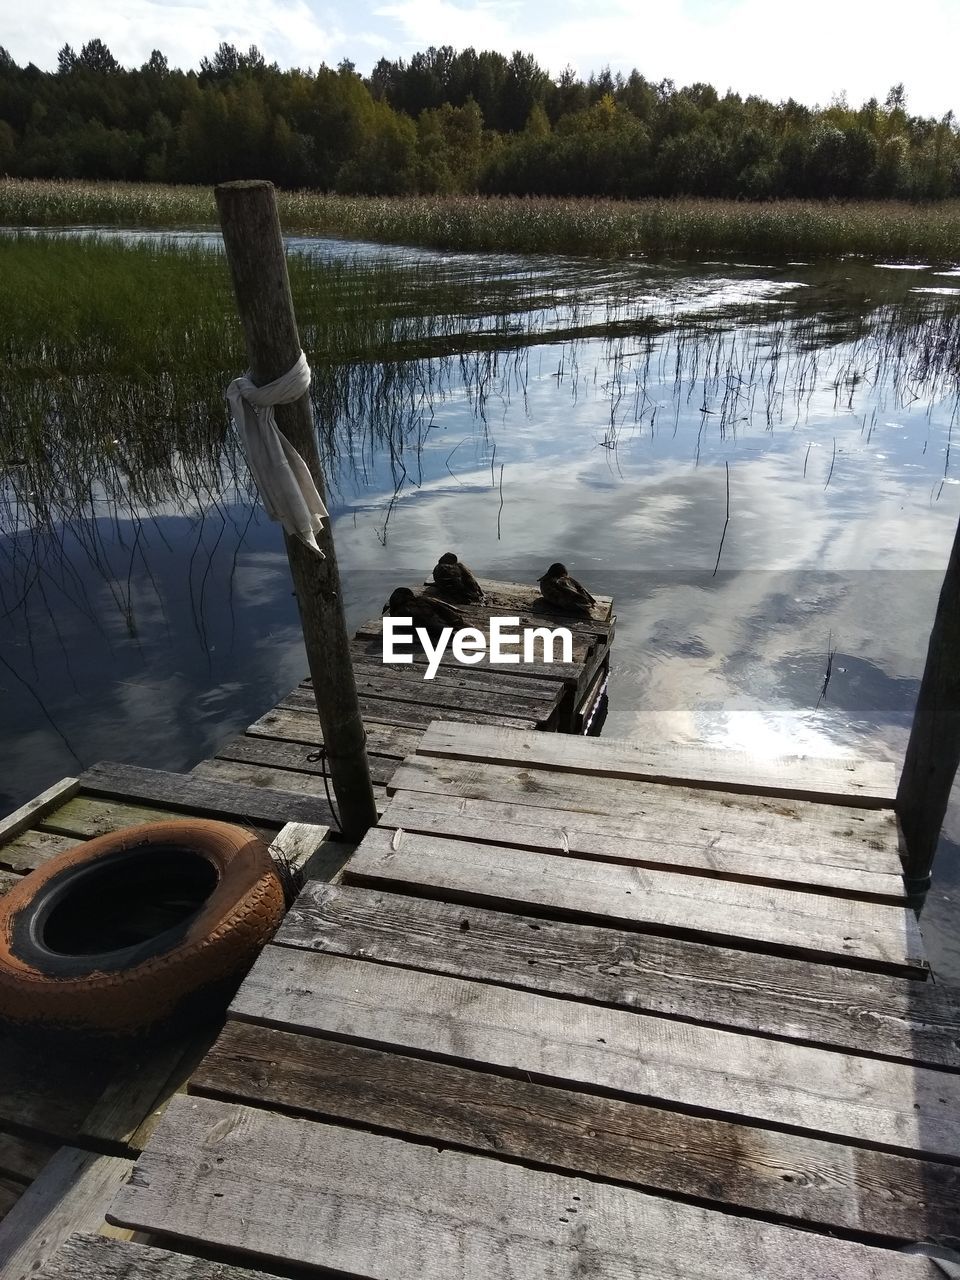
{"x": 116, "y": 354}
{"x": 597, "y": 227}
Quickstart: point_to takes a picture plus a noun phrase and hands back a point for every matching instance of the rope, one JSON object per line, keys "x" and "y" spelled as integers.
{"x": 321, "y": 755}
{"x": 286, "y": 486}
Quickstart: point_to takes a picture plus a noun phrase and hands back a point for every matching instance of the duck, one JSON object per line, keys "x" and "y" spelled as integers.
{"x": 564, "y": 592}
{"x": 455, "y": 580}
{"x": 426, "y": 612}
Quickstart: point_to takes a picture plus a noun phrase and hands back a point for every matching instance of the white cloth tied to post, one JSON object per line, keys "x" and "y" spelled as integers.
{"x": 283, "y": 478}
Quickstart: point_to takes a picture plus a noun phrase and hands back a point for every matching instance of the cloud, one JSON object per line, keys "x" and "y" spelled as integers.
{"x": 434, "y": 22}
{"x": 292, "y": 32}
{"x": 811, "y": 52}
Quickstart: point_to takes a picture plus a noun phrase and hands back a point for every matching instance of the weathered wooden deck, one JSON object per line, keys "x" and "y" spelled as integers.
{"x": 576, "y": 1008}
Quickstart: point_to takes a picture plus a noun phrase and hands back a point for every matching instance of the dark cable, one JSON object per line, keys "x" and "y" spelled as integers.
{"x": 320, "y": 755}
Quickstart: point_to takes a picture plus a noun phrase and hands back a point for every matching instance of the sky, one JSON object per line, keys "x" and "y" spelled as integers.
{"x": 811, "y": 50}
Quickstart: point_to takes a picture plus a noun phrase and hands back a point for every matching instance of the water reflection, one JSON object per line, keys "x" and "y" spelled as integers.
{"x": 606, "y": 403}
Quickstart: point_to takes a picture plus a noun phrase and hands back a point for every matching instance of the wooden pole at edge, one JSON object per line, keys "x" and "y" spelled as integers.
{"x": 933, "y": 751}
{"x": 254, "y": 245}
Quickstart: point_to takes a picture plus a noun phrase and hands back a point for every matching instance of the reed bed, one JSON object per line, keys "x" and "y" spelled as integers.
{"x": 874, "y": 229}
{"x": 117, "y": 353}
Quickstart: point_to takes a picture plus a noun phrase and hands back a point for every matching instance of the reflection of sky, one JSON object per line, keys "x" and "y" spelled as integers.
{"x": 613, "y": 456}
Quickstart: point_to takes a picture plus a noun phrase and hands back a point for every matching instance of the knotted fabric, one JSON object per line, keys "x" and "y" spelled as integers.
{"x": 283, "y": 478}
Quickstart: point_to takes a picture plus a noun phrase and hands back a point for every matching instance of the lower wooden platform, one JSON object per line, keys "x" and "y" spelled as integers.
{"x": 599, "y": 1013}
{"x": 282, "y": 748}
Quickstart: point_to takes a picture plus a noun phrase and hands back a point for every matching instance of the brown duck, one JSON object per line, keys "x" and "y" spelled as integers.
{"x": 430, "y": 614}
{"x": 564, "y": 592}
{"x": 455, "y": 580}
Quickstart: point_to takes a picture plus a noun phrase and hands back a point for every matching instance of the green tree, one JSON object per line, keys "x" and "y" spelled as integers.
{"x": 96, "y": 57}
{"x": 8, "y": 146}
{"x": 385, "y": 162}
{"x": 66, "y": 60}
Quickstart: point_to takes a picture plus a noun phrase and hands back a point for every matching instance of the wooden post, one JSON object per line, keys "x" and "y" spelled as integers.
{"x": 933, "y": 752}
{"x": 251, "y": 234}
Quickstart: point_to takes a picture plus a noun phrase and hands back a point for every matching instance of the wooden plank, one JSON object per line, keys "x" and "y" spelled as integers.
{"x": 93, "y": 1257}
{"x": 26, "y": 816}
{"x": 46, "y": 1093}
{"x": 193, "y": 1050}
{"x": 364, "y": 1205}
{"x": 23, "y": 1157}
{"x": 868, "y": 1101}
{"x": 525, "y": 597}
{"x": 789, "y": 1176}
{"x": 301, "y": 726}
{"x": 834, "y": 835}
{"x": 11, "y": 1189}
{"x": 490, "y": 679}
{"x": 655, "y": 841}
{"x": 7, "y": 880}
{"x": 291, "y": 756}
{"x": 301, "y": 787}
{"x": 813, "y": 1003}
{"x": 190, "y": 794}
{"x": 412, "y": 714}
{"x": 870, "y": 783}
{"x": 297, "y": 845}
{"x": 142, "y": 1078}
{"x": 312, "y": 856}
{"x": 809, "y": 926}
{"x": 71, "y": 1194}
{"x": 30, "y": 849}
{"x": 457, "y": 696}
{"x": 585, "y": 631}
{"x": 85, "y": 817}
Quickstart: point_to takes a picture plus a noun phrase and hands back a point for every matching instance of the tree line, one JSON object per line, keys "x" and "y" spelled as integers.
{"x": 456, "y": 122}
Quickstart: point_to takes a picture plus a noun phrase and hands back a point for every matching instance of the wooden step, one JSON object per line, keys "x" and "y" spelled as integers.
{"x": 695, "y": 1068}
{"x": 809, "y": 926}
{"x": 843, "y": 780}
{"x": 364, "y": 1205}
{"x": 817, "y": 1004}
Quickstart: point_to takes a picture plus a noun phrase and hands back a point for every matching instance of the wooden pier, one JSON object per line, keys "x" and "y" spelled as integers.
{"x": 575, "y": 1008}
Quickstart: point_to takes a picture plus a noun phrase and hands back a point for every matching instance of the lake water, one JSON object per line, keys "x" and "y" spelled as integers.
{"x": 822, "y": 397}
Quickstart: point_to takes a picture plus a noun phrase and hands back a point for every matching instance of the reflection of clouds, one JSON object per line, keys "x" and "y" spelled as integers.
{"x": 281, "y": 657}
{"x": 260, "y": 576}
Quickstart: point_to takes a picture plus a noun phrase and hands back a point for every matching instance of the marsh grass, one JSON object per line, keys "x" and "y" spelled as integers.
{"x": 117, "y": 354}
{"x": 531, "y": 225}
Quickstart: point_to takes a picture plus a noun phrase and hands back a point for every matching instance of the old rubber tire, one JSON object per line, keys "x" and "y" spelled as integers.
{"x": 65, "y": 961}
